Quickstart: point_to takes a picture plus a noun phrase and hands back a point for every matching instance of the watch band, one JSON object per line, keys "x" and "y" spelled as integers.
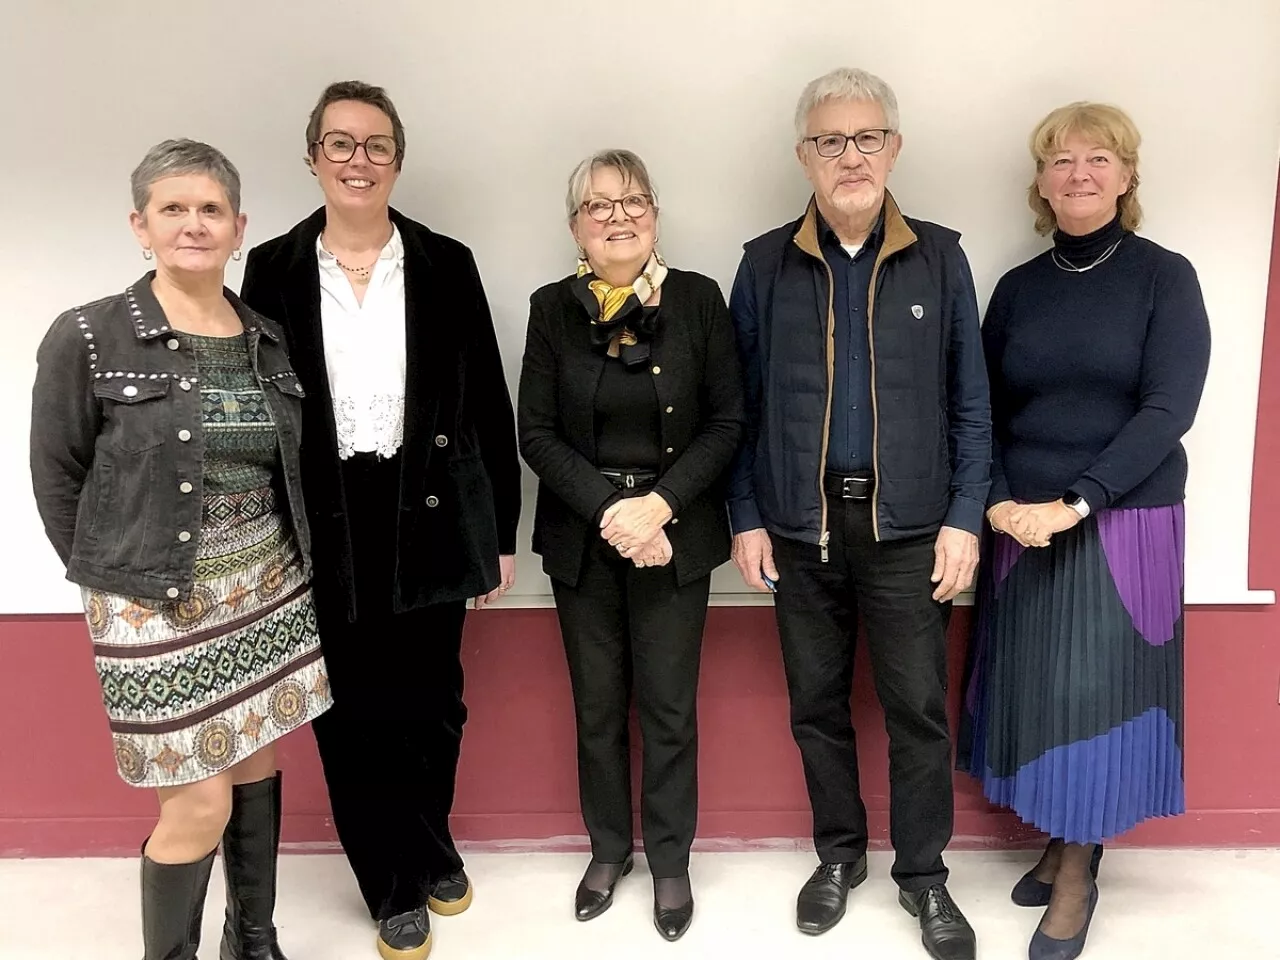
{"x": 1077, "y": 503}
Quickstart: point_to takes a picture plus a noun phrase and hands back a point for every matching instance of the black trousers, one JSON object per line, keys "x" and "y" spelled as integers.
{"x": 623, "y": 626}
{"x": 818, "y": 607}
{"x": 390, "y": 742}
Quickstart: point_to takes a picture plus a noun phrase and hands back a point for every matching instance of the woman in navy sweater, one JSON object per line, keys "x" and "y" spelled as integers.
{"x": 1097, "y": 352}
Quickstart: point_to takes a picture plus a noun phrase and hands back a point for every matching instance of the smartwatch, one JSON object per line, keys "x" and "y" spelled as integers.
{"x": 1077, "y": 503}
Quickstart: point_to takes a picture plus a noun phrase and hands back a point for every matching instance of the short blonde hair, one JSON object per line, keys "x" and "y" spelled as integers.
{"x": 627, "y": 163}
{"x": 1102, "y": 124}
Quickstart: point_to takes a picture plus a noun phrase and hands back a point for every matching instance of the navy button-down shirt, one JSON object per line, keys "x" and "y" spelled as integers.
{"x": 852, "y": 425}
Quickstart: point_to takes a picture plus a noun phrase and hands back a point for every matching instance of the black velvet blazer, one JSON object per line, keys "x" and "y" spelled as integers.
{"x": 460, "y": 471}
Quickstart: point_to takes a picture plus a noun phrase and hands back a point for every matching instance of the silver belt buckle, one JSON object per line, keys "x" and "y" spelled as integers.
{"x": 855, "y": 488}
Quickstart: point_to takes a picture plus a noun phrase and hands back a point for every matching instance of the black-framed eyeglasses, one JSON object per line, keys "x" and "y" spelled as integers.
{"x": 340, "y": 147}
{"x": 634, "y": 205}
{"x": 866, "y": 142}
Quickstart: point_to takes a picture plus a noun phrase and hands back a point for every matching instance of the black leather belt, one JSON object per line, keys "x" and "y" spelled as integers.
{"x": 630, "y": 479}
{"x": 858, "y": 486}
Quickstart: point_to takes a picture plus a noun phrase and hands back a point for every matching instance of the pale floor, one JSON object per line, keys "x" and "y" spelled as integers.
{"x": 1220, "y": 905}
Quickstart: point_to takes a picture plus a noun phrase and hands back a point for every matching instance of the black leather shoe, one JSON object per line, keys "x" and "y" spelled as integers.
{"x": 1047, "y": 948}
{"x": 944, "y": 931}
{"x": 406, "y": 936}
{"x": 1030, "y": 892}
{"x": 672, "y": 923}
{"x": 823, "y": 898}
{"x": 450, "y": 895}
{"x": 589, "y": 904}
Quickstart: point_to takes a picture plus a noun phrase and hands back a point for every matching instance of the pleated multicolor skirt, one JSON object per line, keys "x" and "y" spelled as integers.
{"x": 1073, "y": 714}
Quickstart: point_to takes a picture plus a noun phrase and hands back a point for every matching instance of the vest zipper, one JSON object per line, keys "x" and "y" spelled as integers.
{"x": 875, "y": 409}
{"x": 829, "y": 349}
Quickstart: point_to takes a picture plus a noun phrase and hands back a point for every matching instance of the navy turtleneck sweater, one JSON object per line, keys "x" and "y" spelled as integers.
{"x": 1095, "y": 376}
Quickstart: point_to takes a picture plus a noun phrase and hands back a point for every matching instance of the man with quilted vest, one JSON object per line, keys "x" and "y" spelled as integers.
{"x": 860, "y": 488}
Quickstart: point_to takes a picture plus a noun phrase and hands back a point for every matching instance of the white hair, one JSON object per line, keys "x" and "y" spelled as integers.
{"x": 846, "y": 83}
{"x": 627, "y": 163}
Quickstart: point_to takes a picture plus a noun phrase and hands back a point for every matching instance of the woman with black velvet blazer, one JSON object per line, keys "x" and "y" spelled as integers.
{"x": 630, "y": 412}
{"x": 412, "y": 480}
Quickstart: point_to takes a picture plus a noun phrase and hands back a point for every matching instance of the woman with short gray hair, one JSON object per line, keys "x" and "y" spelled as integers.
{"x": 630, "y": 411}
{"x": 164, "y": 457}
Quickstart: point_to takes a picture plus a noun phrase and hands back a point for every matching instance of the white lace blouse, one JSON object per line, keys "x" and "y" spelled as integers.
{"x": 364, "y": 349}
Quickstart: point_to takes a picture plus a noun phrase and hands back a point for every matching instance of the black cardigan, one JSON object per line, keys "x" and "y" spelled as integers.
{"x": 698, "y": 383}
{"x": 460, "y": 473}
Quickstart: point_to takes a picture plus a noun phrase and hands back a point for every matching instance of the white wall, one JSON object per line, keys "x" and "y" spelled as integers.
{"x": 502, "y": 98}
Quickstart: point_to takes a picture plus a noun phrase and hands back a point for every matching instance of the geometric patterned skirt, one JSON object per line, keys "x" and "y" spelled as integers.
{"x": 192, "y": 687}
{"x": 1073, "y": 712}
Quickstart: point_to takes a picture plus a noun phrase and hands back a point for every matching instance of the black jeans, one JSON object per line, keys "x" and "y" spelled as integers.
{"x": 818, "y": 607}
{"x": 390, "y": 742}
{"x": 622, "y": 624}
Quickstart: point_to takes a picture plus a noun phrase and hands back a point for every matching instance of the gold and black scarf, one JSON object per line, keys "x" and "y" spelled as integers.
{"x": 620, "y": 312}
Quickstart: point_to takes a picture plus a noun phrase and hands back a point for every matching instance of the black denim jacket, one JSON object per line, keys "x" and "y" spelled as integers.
{"x": 117, "y": 442}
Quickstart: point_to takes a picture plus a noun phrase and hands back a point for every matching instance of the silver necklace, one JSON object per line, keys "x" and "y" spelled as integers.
{"x": 1064, "y": 265}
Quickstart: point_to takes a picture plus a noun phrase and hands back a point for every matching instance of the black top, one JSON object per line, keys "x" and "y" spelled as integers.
{"x": 628, "y": 429}
{"x": 1095, "y": 376}
{"x": 460, "y": 473}
{"x": 852, "y": 423}
{"x": 694, "y": 395}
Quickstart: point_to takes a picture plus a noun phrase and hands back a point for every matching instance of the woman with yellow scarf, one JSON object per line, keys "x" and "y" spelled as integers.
{"x": 630, "y": 413}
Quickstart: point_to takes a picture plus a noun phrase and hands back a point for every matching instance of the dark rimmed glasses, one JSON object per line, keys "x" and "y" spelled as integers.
{"x": 866, "y": 142}
{"x": 634, "y": 205}
{"x": 340, "y": 147}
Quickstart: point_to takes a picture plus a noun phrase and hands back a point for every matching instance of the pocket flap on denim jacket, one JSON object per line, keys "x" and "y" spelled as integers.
{"x": 286, "y": 381}
{"x": 123, "y": 390}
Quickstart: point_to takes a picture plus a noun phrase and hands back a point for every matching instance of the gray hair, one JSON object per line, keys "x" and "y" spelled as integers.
{"x": 174, "y": 158}
{"x": 846, "y": 83}
{"x": 625, "y": 162}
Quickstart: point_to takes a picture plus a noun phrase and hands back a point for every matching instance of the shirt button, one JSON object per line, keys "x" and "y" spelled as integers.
{"x": 184, "y": 536}
{"x": 172, "y": 593}
{"x": 185, "y": 486}
{"x": 442, "y": 441}
{"x": 671, "y": 409}
{"x": 433, "y": 501}
{"x": 676, "y": 520}
{"x": 172, "y": 343}
{"x": 130, "y": 391}
{"x": 656, "y": 371}
{"x": 184, "y": 435}
{"x": 671, "y": 450}
{"x": 187, "y": 386}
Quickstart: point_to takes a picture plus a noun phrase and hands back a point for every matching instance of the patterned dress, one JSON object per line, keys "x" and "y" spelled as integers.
{"x": 193, "y": 686}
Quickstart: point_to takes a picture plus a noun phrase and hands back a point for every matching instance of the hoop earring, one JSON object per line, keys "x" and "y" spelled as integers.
{"x": 235, "y": 254}
{"x": 146, "y": 253}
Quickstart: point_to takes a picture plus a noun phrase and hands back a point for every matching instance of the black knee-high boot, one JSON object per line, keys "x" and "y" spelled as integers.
{"x": 173, "y": 907}
{"x": 250, "y": 847}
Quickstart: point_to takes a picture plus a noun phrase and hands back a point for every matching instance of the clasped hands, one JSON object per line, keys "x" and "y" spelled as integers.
{"x": 1032, "y": 524}
{"x": 634, "y": 527}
